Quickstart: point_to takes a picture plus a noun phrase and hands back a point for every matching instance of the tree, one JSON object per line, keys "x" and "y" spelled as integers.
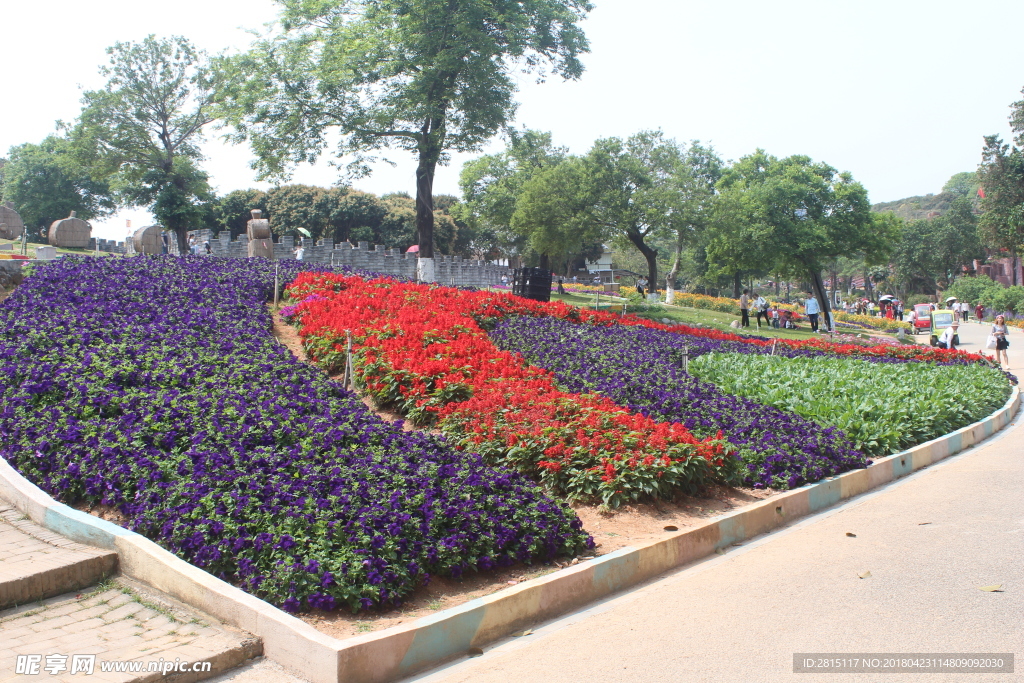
{"x": 426, "y": 76}
{"x": 552, "y": 211}
{"x": 636, "y": 190}
{"x": 796, "y": 216}
{"x": 492, "y": 185}
{"x": 233, "y": 211}
{"x": 1002, "y": 181}
{"x": 141, "y": 133}
{"x": 354, "y": 212}
{"x": 962, "y": 184}
{"x": 46, "y": 184}
{"x": 703, "y": 169}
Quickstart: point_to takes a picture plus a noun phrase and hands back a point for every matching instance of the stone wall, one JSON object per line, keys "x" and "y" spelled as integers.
{"x": 448, "y": 270}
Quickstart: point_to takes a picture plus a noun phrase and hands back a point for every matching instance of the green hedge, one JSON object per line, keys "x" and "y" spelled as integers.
{"x": 882, "y": 407}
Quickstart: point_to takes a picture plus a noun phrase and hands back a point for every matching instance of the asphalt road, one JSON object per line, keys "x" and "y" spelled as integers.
{"x": 929, "y": 541}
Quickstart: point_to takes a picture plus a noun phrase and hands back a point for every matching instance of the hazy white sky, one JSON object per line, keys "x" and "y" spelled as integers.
{"x": 898, "y": 92}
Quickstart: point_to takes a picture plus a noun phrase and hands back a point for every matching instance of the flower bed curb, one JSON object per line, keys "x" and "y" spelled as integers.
{"x": 405, "y": 649}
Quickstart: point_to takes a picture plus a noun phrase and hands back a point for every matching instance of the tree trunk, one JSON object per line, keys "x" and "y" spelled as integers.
{"x": 778, "y": 287}
{"x": 867, "y": 285}
{"x": 652, "y": 258}
{"x": 545, "y": 262}
{"x": 736, "y": 285}
{"x": 425, "y": 206}
{"x": 181, "y": 233}
{"x": 818, "y": 288}
{"x": 670, "y": 280}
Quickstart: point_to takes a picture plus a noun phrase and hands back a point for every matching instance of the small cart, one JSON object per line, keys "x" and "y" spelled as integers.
{"x": 940, "y": 321}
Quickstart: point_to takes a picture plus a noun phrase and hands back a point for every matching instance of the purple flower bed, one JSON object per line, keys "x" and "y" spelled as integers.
{"x": 154, "y": 384}
{"x": 639, "y": 368}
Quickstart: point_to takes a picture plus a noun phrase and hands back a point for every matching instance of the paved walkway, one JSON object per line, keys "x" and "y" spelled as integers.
{"x": 929, "y": 541}
{"x": 113, "y": 622}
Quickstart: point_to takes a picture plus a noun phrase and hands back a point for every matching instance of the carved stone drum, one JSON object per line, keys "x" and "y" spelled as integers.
{"x": 11, "y": 225}
{"x": 70, "y": 232}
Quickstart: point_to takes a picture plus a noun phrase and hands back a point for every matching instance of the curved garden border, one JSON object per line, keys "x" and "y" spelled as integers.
{"x": 405, "y": 649}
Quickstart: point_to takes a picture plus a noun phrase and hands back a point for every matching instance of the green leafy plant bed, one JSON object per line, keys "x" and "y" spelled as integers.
{"x": 882, "y": 408}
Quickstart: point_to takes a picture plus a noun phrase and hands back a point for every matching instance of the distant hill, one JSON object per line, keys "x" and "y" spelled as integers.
{"x": 932, "y": 205}
{"x": 915, "y": 208}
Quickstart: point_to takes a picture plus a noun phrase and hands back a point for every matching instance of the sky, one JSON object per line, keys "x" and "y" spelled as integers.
{"x": 899, "y": 93}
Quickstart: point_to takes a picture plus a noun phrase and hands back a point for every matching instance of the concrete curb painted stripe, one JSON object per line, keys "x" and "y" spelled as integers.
{"x": 405, "y": 649}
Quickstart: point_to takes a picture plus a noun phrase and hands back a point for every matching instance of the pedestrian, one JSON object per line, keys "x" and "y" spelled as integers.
{"x": 761, "y": 304}
{"x": 979, "y": 313}
{"x": 871, "y": 308}
{"x": 163, "y": 242}
{"x": 561, "y": 289}
{"x": 207, "y": 249}
{"x": 775, "y": 316}
{"x": 999, "y": 331}
{"x": 811, "y": 309}
{"x": 745, "y": 309}
{"x": 948, "y": 337}
{"x": 640, "y": 287}
{"x": 300, "y": 251}
{"x": 597, "y": 280}
{"x": 504, "y": 280}
{"x": 964, "y": 311}
{"x": 574, "y": 279}
{"x": 193, "y": 247}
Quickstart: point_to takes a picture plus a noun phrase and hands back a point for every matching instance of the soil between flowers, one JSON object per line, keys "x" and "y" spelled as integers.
{"x": 611, "y": 530}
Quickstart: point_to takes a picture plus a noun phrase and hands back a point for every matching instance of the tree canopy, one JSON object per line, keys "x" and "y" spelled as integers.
{"x": 794, "y": 216}
{"x": 426, "y": 76}
{"x": 1002, "y": 180}
{"x": 46, "y": 183}
{"x": 141, "y": 133}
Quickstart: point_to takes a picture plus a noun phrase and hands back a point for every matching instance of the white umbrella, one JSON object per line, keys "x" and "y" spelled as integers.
{"x": 886, "y": 297}
{"x": 952, "y": 298}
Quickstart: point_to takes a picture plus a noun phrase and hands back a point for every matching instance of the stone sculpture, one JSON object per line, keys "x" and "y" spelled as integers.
{"x": 70, "y": 232}
{"x": 261, "y": 242}
{"x": 11, "y": 225}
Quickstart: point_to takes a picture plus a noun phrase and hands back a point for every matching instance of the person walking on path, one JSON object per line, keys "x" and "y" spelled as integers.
{"x": 979, "y": 313}
{"x": 999, "y": 331}
{"x": 775, "y": 316}
{"x": 300, "y": 251}
{"x": 811, "y": 310}
{"x": 964, "y": 311}
{"x": 761, "y": 304}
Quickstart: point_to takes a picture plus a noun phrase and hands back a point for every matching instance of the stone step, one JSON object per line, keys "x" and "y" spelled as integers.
{"x": 36, "y": 563}
{"x": 126, "y": 631}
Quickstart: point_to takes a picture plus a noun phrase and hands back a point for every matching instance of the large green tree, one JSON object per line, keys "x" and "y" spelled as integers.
{"x": 796, "y": 216}
{"x": 141, "y": 133}
{"x": 493, "y": 183}
{"x": 46, "y": 183}
{"x": 427, "y": 76}
{"x": 637, "y": 190}
{"x": 1002, "y": 181}
{"x": 552, "y": 211}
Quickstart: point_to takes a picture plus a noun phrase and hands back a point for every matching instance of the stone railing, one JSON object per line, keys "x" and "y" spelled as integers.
{"x": 448, "y": 270}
